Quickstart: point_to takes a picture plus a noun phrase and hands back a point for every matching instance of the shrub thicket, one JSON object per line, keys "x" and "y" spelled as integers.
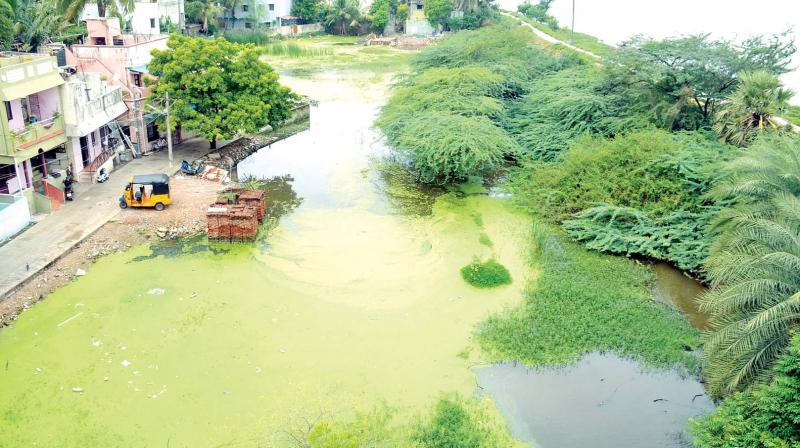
{"x": 640, "y": 193}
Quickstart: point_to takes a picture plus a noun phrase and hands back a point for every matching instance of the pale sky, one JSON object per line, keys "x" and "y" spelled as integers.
{"x": 616, "y": 20}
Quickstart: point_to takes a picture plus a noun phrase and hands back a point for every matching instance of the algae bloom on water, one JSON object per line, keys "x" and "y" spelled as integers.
{"x": 486, "y": 274}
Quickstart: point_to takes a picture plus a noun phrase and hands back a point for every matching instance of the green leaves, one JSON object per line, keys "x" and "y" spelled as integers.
{"x": 754, "y": 266}
{"x": 219, "y": 88}
{"x": 768, "y": 416}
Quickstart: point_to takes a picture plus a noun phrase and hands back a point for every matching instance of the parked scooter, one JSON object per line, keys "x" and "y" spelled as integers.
{"x": 190, "y": 169}
{"x": 68, "y": 181}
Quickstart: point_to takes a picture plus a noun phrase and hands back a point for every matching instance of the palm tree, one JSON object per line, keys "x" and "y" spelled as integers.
{"x": 754, "y": 266}
{"x": 749, "y": 110}
{"x": 343, "y": 14}
{"x": 72, "y": 8}
{"x": 37, "y": 23}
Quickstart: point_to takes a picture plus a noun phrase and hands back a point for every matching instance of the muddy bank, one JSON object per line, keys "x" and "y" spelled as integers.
{"x": 679, "y": 291}
{"x": 130, "y": 227}
{"x": 603, "y": 401}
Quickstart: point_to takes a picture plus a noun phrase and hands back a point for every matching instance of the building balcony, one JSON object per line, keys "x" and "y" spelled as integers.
{"x": 24, "y": 143}
{"x": 90, "y": 115}
{"x": 22, "y": 74}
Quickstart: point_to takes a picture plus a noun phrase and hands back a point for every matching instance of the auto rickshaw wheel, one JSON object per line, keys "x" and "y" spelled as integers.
{"x": 159, "y": 206}
{"x": 123, "y": 205}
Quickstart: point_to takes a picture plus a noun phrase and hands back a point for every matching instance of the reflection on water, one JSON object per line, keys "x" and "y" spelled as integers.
{"x": 673, "y": 287}
{"x": 603, "y": 401}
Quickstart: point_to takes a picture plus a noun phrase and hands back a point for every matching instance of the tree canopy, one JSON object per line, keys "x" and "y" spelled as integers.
{"x": 668, "y": 74}
{"x": 219, "y": 88}
{"x": 307, "y": 10}
{"x": 438, "y": 11}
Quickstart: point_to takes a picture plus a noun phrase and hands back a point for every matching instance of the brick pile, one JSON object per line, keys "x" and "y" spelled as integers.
{"x": 237, "y": 222}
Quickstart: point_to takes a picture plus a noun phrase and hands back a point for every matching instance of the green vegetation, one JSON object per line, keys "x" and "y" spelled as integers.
{"x": 487, "y": 274}
{"x": 444, "y": 116}
{"x": 584, "y": 302}
{"x": 307, "y": 10}
{"x": 454, "y": 422}
{"x": 750, "y": 109}
{"x": 294, "y": 50}
{"x": 753, "y": 265}
{"x": 640, "y": 193}
{"x": 549, "y": 25}
{"x": 793, "y": 114}
{"x": 768, "y": 416}
{"x": 219, "y": 88}
{"x": 438, "y": 11}
{"x": 255, "y": 37}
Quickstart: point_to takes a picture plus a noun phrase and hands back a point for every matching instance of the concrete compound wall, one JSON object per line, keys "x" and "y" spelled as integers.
{"x": 14, "y": 215}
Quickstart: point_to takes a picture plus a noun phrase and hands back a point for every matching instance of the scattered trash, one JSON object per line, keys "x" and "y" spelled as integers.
{"x": 37, "y": 371}
{"x": 77, "y": 389}
{"x": 157, "y": 291}
{"x": 105, "y": 378}
{"x": 125, "y": 363}
{"x": 80, "y": 272}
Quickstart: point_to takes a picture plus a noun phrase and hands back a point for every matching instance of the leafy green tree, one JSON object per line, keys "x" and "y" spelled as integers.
{"x": 7, "y": 16}
{"x": 381, "y": 11}
{"x": 308, "y": 10}
{"x": 767, "y": 417}
{"x": 750, "y": 109}
{"x": 684, "y": 79}
{"x": 72, "y": 8}
{"x": 537, "y": 12}
{"x": 37, "y": 23}
{"x": 219, "y": 88}
{"x": 203, "y": 12}
{"x": 753, "y": 266}
{"x": 402, "y": 14}
{"x": 438, "y": 11}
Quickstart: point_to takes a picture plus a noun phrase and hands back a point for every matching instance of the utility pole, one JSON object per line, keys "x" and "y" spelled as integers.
{"x": 572, "y": 33}
{"x": 169, "y": 130}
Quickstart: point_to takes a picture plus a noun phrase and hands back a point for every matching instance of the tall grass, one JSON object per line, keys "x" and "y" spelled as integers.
{"x": 256, "y": 37}
{"x": 583, "y": 302}
{"x": 294, "y": 50}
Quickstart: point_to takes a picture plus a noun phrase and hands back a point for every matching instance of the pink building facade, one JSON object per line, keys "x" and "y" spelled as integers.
{"x": 121, "y": 59}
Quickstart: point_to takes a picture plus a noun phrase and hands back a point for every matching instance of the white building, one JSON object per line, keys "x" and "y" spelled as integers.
{"x": 258, "y": 14}
{"x": 147, "y": 15}
{"x": 90, "y": 104}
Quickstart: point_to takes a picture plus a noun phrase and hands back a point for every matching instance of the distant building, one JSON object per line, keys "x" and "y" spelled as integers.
{"x": 32, "y": 137}
{"x": 146, "y": 16}
{"x": 251, "y": 14}
{"x": 417, "y": 24}
{"x": 121, "y": 58}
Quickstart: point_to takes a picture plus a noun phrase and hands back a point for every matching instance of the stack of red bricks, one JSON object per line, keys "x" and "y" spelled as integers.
{"x": 237, "y": 222}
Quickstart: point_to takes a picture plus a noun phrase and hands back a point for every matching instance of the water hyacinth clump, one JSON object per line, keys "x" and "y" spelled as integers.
{"x": 488, "y": 274}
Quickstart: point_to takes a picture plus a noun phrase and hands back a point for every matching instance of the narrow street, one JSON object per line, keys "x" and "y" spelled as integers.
{"x": 94, "y": 205}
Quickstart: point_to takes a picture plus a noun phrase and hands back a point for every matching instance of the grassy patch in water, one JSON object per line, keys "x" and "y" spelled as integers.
{"x": 487, "y": 274}
{"x": 454, "y": 422}
{"x": 582, "y": 302}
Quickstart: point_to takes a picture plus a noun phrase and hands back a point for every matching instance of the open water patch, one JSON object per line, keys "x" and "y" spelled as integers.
{"x": 603, "y": 401}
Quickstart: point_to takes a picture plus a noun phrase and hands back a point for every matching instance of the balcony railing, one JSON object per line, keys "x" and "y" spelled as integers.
{"x": 27, "y": 137}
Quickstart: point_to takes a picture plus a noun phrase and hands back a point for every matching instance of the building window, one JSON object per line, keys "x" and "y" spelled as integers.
{"x": 9, "y": 112}
{"x": 137, "y": 79}
{"x": 244, "y": 8}
{"x": 248, "y": 25}
{"x": 152, "y": 23}
{"x": 272, "y": 7}
{"x": 420, "y": 6}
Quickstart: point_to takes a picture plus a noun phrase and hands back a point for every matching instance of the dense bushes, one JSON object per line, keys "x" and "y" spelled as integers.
{"x": 766, "y": 417}
{"x": 444, "y": 116}
{"x": 582, "y": 302}
{"x": 640, "y": 193}
{"x": 563, "y": 106}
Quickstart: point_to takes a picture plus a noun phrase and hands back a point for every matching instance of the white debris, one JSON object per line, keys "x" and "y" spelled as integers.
{"x": 157, "y": 291}
{"x": 37, "y": 371}
{"x": 80, "y": 272}
{"x": 125, "y": 363}
{"x": 77, "y": 389}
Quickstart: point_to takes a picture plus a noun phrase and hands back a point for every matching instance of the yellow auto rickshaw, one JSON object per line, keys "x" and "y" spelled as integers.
{"x": 147, "y": 190}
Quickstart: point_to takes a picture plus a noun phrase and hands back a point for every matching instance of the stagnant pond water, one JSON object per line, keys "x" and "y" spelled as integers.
{"x": 351, "y": 301}
{"x": 354, "y": 298}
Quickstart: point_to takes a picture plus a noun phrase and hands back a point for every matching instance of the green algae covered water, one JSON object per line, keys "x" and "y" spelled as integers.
{"x": 349, "y": 302}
